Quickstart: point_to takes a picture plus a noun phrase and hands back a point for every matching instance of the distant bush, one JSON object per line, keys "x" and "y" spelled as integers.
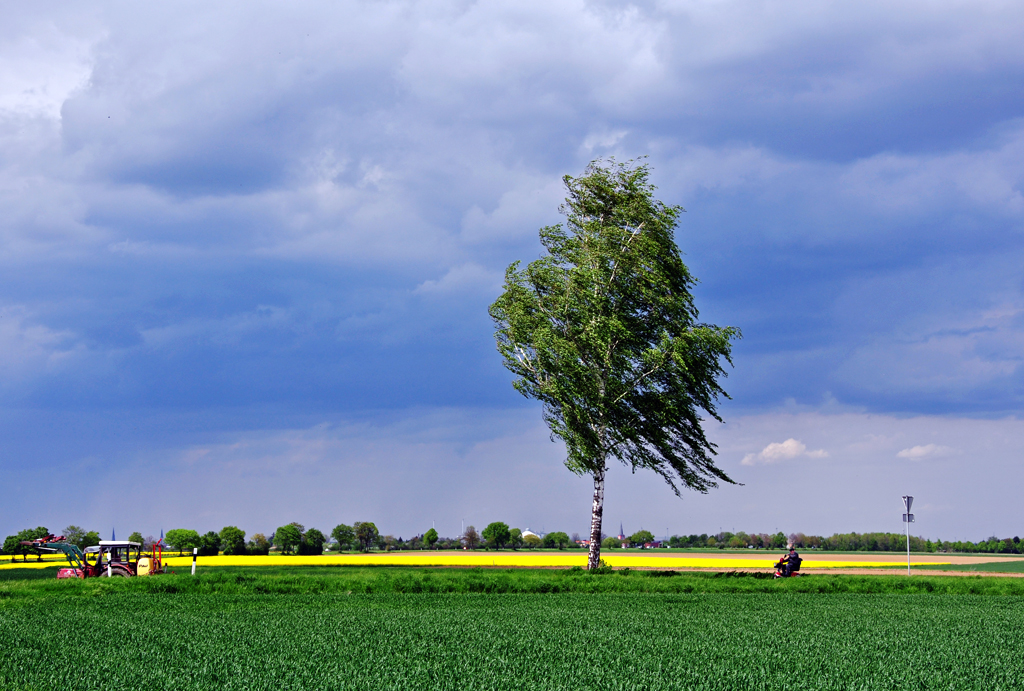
{"x": 259, "y": 545}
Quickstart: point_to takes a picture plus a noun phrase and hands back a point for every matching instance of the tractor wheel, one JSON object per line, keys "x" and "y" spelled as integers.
{"x": 119, "y": 573}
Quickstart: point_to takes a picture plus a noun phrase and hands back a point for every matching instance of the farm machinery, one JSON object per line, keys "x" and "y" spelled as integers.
{"x": 111, "y": 558}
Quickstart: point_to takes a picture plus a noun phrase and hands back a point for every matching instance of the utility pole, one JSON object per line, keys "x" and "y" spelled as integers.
{"x": 908, "y": 518}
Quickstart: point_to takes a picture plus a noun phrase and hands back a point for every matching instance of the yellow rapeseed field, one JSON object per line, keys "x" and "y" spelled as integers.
{"x": 506, "y": 559}
{"x": 521, "y": 559}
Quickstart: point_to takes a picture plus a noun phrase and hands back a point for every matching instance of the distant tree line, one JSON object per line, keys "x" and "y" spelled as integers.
{"x": 843, "y": 542}
{"x": 363, "y": 536}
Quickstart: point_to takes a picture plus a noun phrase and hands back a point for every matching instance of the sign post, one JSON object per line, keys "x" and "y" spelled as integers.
{"x": 908, "y": 518}
{"x": 195, "y": 551}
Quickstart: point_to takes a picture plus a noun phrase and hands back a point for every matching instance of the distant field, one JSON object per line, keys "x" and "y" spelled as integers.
{"x": 367, "y": 628}
{"x": 20, "y": 584}
{"x": 1003, "y": 566}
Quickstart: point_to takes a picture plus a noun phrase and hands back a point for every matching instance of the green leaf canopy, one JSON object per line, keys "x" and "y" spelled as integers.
{"x": 603, "y": 330}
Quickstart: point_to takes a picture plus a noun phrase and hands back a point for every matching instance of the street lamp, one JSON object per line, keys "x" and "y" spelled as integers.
{"x": 908, "y": 518}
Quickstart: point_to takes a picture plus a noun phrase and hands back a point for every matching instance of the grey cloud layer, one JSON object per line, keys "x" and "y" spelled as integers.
{"x": 303, "y": 211}
{"x": 809, "y": 472}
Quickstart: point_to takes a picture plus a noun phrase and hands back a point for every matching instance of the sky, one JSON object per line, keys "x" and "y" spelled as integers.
{"x": 247, "y": 249}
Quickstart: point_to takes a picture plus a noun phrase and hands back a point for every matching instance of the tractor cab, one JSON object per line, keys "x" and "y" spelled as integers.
{"x": 114, "y": 551}
{"x": 114, "y": 558}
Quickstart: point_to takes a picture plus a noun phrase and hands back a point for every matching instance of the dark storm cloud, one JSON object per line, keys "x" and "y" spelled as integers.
{"x": 227, "y": 221}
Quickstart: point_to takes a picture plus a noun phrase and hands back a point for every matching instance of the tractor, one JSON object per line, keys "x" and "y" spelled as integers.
{"x": 110, "y": 558}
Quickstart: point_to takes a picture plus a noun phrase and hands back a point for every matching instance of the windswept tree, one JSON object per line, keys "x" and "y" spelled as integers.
{"x": 603, "y": 330}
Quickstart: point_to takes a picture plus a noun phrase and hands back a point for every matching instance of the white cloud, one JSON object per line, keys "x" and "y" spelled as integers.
{"x": 462, "y": 279}
{"x": 42, "y": 67}
{"x": 780, "y": 451}
{"x": 28, "y": 348}
{"x": 917, "y": 185}
{"x": 922, "y": 451}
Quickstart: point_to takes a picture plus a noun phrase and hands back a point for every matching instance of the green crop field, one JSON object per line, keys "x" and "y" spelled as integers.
{"x": 303, "y": 629}
{"x": 1004, "y": 566}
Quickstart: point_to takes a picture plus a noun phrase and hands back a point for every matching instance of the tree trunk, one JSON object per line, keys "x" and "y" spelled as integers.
{"x": 597, "y": 514}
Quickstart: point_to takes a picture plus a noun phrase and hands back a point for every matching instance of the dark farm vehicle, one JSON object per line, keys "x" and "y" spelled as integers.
{"x": 110, "y": 558}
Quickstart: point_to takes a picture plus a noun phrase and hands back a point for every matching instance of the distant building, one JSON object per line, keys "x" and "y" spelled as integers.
{"x": 528, "y": 532}
{"x": 621, "y": 535}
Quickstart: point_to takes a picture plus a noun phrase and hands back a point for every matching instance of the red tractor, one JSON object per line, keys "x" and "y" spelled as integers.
{"x": 109, "y": 558}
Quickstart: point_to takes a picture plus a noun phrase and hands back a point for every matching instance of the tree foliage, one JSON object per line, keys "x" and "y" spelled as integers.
{"x": 603, "y": 330}
{"x": 209, "y": 544}
{"x": 430, "y": 538}
{"x": 515, "y": 538}
{"x": 312, "y": 542}
{"x": 287, "y": 538}
{"x": 470, "y": 538}
{"x": 366, "y": 534}
{"x": 74, "y": 534}
{"x": 640, "y": 538}
{"x": 497, "y": 534}
{"x": 344, "y": 535}
{"x": 557, "y": 539}
{"x": 258, "y": 545}
{"x": 13, "y": 546}
{"x": 232, "y": 540}
{"x": 183, "y": 539}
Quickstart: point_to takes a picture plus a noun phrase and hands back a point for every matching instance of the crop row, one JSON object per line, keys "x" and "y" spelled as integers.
{"x": 18, "y": 587}
{"x": 515, "y": 641}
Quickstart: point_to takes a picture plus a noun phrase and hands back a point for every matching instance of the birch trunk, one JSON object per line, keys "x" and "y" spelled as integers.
{"x": 597, "y": 514}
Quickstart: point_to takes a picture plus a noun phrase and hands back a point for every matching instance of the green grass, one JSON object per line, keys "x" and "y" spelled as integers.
{"x": 132, "y": 639}
{"x": 326, "y": 580}
{"x": 47, "y": 573}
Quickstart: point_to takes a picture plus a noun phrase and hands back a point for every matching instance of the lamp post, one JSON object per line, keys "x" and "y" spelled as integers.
{"x": 908, "y": 518}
